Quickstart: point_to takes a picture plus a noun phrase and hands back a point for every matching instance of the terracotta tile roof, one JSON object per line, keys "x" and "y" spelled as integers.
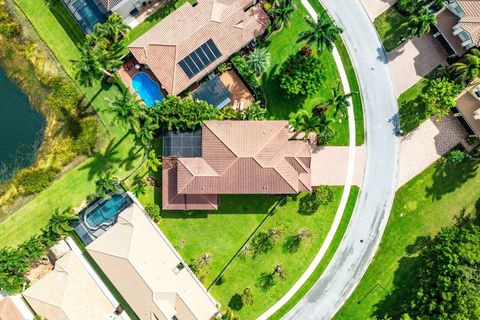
{"x": 471, "y": 21}
{"x": 187, "y": 28}
{"x": 467, "y": 104}
{"x": 238, "y": 157}
{"x": 446, "y": 20}
{"x": 9, "y": 311}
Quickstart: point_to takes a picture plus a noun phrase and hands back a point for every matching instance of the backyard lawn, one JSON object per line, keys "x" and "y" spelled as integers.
{"x": 432, "y": 200}
{"x": 70, "y": 190}
{"x": 390, "y": 26}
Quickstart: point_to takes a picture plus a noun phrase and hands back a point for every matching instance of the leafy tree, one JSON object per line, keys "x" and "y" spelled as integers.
{"x": 127, "y": 109}
{"x": 448, "y": 276}
{"x": 301, "y": 75}
{"x": 421, "y": 23}
{"x": 247, "y": 296}
{"x": 255, "y": 112}
{"x": 303, "y": 121}
{"x": 105, "y": 184}
{"x": 469, "y": 69}
{"x": 184, "y": 114}
{"x": 153, "y": 162}
{"x": 413, "y": 6}
{"x": 439, "y": 97}
{"x": 319, "y": 196}
{"x": 259, "y": 60}
{"x": 282, "y": 13}
{"x": 323, "y": 33}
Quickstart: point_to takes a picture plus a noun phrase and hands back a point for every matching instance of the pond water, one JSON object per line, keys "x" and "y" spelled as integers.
{"x": 21, "y": 129}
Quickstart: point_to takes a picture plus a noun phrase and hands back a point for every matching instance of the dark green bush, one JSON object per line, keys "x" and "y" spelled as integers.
{"x": 154, "y": 212}
{"x": 34, "y": 180}
{"x": 248, "y": 75}
{"x": 301, "y": 75}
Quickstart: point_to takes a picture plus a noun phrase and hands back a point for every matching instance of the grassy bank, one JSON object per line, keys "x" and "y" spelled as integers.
{"x": 432, "y": 200}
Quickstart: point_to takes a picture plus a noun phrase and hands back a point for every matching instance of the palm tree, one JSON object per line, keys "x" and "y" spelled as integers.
{"x": 255, "y": 111}
{"x": 114, "y": 29}
{"x": 259, "y": 60}
{"x": 89, "y": 66}
{"x": 421, "y": 22}
{"x": 139, "y": 186}
{"x": 302, "y": 121}
{"x": 340, "y": 102}
{"x": 127, "y": 109}
{"x": 60, "y": 222}
{"x": 105, "y": 184}
{"x": 145, "y": 134}
{"x": 279, "y": 270}
{"x": 323, "y": 32}
{"x": 275, "y": 233}
{"x": 468, "y": 70}
{"x": 202, "y": 262}
{"x": 153, "y": 162}
{"x": 282, "y": 13}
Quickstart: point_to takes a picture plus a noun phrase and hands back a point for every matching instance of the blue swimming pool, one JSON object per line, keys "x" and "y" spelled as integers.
{"x": 87, "y": 13}
{"x": 104, "y": 212}
{"x": 147, "y": 89}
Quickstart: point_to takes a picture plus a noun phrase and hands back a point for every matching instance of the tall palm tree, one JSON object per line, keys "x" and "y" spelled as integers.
{"x": 60, "y": 222}
{"x": 259, "y": 60}
{"x": 468, "y": 70}
{"x": 339, "y": 102}
{"x": 114, "y": 29}
{"x": 282, "y": 13}
{"x": 127, "y": 109}
{"x": 280, "y": 271}
{"x": 153, "y": 162}
{"x": 421, "y": 22}
{"x": 145, "y": 133}
{"x": 89, "y": 66}
{"x": 323, "y": 32}
{"x": 303, "y": 121}
{"x": 105, "y": 184}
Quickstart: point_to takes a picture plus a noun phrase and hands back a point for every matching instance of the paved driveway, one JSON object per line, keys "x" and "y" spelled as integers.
{"x": 377, "y": 7}
{"x": 329, "y": 166}
{"x": 415, "y": 59}
{"x": 426, "y": 144}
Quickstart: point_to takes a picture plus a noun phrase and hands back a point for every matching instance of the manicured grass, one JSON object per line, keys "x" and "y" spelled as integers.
{"x": 352, "y": 199}
{"x": 281, "y": 45}
{"x": 352, "y": 81}
{"x": 411, "y": 109}
{"x": 432, "y": 200}
{"x": 390, "y": 26}
{"x": 75, "y": 185}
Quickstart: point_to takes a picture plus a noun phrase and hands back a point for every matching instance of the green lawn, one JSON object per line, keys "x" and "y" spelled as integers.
{"x": 390, "y": 26}
{"x": 411, "y": 109}
{"x": 432, "y": 200}
{"x": 55, "y": 27}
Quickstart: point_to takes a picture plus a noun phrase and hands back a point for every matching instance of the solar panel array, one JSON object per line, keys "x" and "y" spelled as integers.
{"x": 199, "y": 59}
{"x": 183, "y": 144}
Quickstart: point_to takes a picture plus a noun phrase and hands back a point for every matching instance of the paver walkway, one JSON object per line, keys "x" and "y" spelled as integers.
{"x": 426, "y": 144}
{"x": 414, "y": 59}
{"x": 375, "y": 8}
{"x": 329, "y": 166}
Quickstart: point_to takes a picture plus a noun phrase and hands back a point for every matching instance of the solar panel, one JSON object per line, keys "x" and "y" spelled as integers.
{"x": 200, "y": 58}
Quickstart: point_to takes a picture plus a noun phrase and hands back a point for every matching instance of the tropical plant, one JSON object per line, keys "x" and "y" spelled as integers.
{"x": 153, "y": 162}
{"x": 184, "y": 114}
{"x": 114, "y": 30}
{"x": 319, "y": 196}
{"x": 301, "y": 75}
{"x": 89, "y": 66}
{"x": 139, "y": 186}
{"x": 421, "y": 22}
{"x": 202, "y": 262}
{"x": 413, "y": 6}
{"x": 230, "y": 315}
{"x": 145, "y": 133}
{"x": 282, "y": 12}
{"x": 127, "y": 109}
{"x": 229, "y": 113}
{"x": 340, "y": 102}
{"x": 59, "y": 223}
{"x": 259, "y": 60}
{"x": 439, "y": 97}
{"x": 106, "y": 183}
{"x": 469, "y": 69}
{"x": 294, "y": 242}
{"x": 456, "y": 156}
{"x": 255, "y": 111}
{"x": 275, "y": 233}
{"x": 279, "y": 271}
{"x": 306, "y": 123}
{"x": 323, "y": 33}
{"x": 154, "y": 212}
{"x": 33, "y": 248}
{"x": 247, "y": 296}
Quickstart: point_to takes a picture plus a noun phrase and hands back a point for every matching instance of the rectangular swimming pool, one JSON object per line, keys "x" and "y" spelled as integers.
{"x": 105, "y": 212}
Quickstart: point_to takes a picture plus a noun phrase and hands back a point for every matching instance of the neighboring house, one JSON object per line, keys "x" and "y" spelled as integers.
{"x": 193, "y": 40}
{"x": 69, "y": 292}
{"x": 14, "y": 308}
{"x": 468, "y": 106}
{"x": 233, "y": 157}
{"x": 148, "y": 272}
{"x": 458, "y": 26}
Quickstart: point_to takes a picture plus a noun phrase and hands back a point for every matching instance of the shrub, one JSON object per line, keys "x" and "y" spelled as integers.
{"x": 248, "y": 75}
{"x": 301, "y": 75}
{"x": 456, "y": 156}
{"x": 154, "y": 212}
{"x": 34, "y": 180}
{"x": 439, "y": 97}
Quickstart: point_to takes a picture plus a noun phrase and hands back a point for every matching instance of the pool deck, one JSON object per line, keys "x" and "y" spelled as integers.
{"x": 240, "y": 95}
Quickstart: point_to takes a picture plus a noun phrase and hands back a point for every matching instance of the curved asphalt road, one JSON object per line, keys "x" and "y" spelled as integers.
{"x": 371, "y": 213}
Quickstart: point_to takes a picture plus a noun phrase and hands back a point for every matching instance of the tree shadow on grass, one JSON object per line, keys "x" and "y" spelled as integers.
{"x": 395, "y": 302}
{"x": 266, "y": 281}
{"x": 235, "y": 302}
{"x": 448, "y": 177}
{"x": 104, "y": 160}
{"x": 64, "y": 18}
